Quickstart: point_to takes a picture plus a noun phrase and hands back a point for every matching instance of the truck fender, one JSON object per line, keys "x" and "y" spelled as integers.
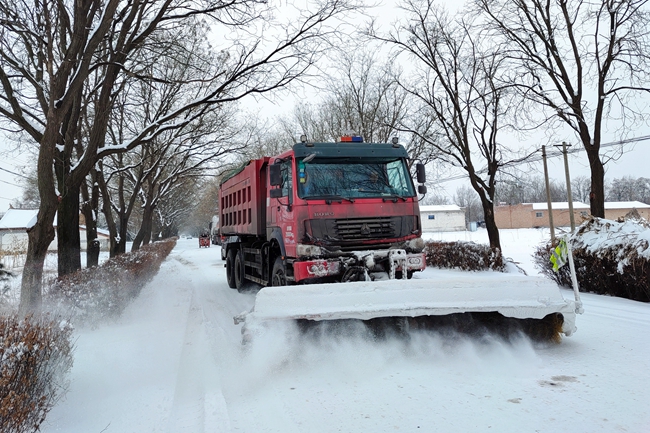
{"x": 225, "y": 245}
{"x": 276, "y": 234}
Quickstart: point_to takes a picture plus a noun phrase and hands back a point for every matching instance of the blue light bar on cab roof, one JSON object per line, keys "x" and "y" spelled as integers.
{"x": 351, "y": 139}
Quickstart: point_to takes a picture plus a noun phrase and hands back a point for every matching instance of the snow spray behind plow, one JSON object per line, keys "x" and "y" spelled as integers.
{"x": 499, "y": 303}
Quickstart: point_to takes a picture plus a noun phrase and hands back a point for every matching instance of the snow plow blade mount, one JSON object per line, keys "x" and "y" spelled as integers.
{"x": 532, "y": 299}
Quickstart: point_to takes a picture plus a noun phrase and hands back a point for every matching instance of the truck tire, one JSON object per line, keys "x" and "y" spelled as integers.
{"x": 230, "y": 268}
{"x": 279, "y": 273}
{"x": 239, "y": 270}
{"x": 398, "y": 275}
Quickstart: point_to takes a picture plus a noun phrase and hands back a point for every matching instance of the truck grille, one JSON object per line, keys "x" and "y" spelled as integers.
{"x": 364, "y": 229}
{"x": 349, "y": 234}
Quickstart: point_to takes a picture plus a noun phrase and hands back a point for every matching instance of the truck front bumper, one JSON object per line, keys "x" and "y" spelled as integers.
{"x": 373, "y": 261}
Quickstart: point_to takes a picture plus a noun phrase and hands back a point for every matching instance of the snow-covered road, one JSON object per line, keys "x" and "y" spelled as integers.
{"x": 174, "y": 363}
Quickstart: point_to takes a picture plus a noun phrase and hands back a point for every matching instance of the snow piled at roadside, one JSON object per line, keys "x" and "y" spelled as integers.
{"x": 623, "y": 240}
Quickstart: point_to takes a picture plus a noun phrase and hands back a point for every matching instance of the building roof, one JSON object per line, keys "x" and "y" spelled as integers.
{"x": 101, "y": 233}
{"x": 441, "y": 208}
{"x": 626, "y": 205}
{"x": 18, "y": 219}
{"x": 563, "y": 205}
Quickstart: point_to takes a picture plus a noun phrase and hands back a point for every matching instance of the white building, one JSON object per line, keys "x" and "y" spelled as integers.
{"x": 14, "y": 225}
{"x": 13, "y": 229}
{"x": 442, "y": 218}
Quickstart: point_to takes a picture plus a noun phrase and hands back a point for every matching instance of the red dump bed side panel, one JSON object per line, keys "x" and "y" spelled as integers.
{"x": 242, "y": 201}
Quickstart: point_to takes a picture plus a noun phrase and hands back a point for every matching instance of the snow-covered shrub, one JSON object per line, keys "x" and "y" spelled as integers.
{"x": 35, "y": 359}
{"x": 95, "y": 294}
{"x": 611, "y": 257}
{"x": 467, "y": 256}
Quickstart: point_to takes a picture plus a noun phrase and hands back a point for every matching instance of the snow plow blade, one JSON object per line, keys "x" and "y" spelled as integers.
{"x": 497, "y": 301}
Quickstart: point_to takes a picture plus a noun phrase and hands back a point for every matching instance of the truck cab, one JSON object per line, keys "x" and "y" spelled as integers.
{"x": 331, "y": 201}
{"x": 341, "y": 211}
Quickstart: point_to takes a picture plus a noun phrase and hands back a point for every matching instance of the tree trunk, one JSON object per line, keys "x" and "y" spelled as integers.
{"x": 145, "y": 229}
{"x": 39, "y": 238}
{"x": 487, "y": 202}
{"x": 68, "y": 232}
{"x": 491, "y": 225}
{"x": 89, "y": 209}
{"x": 92, "y": 243}
{"x": 124, "y": 234}
{"x": 42, "y": 233}
{"x": 597, "y": 193}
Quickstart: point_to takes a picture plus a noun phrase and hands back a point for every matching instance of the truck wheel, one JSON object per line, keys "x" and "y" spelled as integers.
{"x": 279, "y": 274}
{"x": 230, "y": 269}
{"x": 398, "y": 275}
{"x": 239, "y": 271}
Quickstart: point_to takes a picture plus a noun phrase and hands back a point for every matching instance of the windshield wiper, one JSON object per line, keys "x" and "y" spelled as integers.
{"x": 329, "y": 198}
{"x": 394, "y": 197}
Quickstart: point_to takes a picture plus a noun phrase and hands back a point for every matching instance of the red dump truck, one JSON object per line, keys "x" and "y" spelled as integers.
{"x": 338, "y": 217}
{"x": 322, "y": 212}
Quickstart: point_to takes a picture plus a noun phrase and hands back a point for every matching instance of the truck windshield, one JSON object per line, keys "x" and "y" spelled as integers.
{"x": 350, "y": 179}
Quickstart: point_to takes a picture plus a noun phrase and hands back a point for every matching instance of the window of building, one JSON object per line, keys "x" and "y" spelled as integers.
{"x": 539, "y": 214}
{"x": 432, "y": 217}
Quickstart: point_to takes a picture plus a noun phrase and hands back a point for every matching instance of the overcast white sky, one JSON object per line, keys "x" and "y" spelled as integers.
{"x": 633, "y": 162}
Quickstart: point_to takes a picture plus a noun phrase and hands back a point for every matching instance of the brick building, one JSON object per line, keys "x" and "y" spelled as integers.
{"x": 617, "y": 209}
{"x": 532, "y": 215}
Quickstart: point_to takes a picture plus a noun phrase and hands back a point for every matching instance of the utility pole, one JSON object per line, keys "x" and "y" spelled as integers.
{"x": 568, "y": 185}
{"x": 548, "y": 197}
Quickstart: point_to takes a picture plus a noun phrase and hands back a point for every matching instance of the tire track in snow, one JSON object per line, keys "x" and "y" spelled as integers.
{"x": 199, "y": 405}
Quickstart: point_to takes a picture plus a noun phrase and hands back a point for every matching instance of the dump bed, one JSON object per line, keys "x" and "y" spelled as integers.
{"x": 242, "y": 200}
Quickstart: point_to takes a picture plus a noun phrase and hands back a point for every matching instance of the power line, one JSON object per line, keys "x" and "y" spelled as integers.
{"x": 9, "y": 183}
{"x": 14, "y": 173}
{"x": 551, "y": 154}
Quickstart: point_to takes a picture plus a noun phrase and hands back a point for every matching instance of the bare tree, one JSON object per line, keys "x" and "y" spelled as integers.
{"x": 172, "y": 159}
{"x": 466, "y": 197}
{"x": 456, "y": 86}
{"x": 582, "y": 62}
{"x": 202, "y": 206}
{"x": 529, "y": 189}
{"x": 362, "y": 95}
{"x": 56, "y": 56}
{"x": 628, "y": 188}
{"x": 580, "y": 188}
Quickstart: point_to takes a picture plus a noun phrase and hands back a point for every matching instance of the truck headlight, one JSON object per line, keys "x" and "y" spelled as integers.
{"x": 416, "y": 244}
{"x": 303, "y": 250}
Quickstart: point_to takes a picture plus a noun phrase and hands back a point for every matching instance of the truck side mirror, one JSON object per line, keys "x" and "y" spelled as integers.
{"x": 275, "y": 193}
{"x": 275, "y": 175}
{"x": 421, "y": 174}
{"x": 422, "y": 189}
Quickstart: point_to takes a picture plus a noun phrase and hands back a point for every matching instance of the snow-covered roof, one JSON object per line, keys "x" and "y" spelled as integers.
{"x": 579, "y": 205}
{"x": 100, "y": 232}
{"x": 564, "y": 205}
{"x": 18, "y": 219}
{"x": 441, "y": 208}
{"x": 626, "y": 205}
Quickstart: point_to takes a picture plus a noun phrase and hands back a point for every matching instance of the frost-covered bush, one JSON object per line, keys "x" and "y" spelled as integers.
{"x": 611, "y": 257}
{"x": 35, "y": 359}
{"x": 467, "y": 256}
{"x": 95, "y": 294}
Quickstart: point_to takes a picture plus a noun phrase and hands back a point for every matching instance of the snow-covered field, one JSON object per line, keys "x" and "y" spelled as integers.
{"x": 174, "y": 363}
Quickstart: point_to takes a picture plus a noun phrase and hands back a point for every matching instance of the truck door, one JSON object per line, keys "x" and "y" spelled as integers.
{"x": 281, "y": 214}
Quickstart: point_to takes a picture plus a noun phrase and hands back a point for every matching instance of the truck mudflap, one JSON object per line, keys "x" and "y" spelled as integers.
{"x": 396, "y": 259}
{"x": 511, "y": 296}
